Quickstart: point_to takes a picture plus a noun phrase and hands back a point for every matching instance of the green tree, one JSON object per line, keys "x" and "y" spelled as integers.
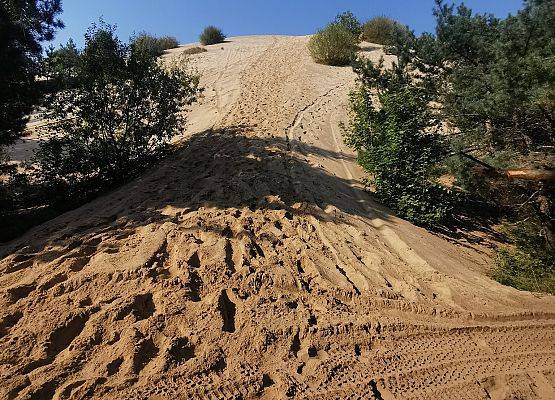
{"x": 490, "y": 85}
{"x": 61, "y": 65}
{"x": 396, "y": 136}
{"x": 496, "y": 80}
{"x": 500, "y": 74}
{"x": 24, "y": 25}
{"x": 116, "y": 120}
{"x": 350, "y": 22}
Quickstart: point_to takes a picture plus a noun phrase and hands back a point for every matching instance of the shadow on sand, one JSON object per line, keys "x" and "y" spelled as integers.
{"x": 222, "y": 169}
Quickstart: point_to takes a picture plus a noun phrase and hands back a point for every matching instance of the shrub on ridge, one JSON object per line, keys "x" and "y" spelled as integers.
{"x": 211, "y": 35}
{"x": 333, "y": 45}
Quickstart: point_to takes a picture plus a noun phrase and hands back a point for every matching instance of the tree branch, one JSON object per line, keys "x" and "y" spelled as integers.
{"x": 543, "y": 175}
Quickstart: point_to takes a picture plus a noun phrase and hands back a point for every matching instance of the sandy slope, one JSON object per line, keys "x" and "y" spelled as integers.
{"x": 251, "y": 265}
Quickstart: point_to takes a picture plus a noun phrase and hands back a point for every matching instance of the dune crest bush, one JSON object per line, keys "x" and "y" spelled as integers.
{"x": 333, "y": 45}
{"x": 211, "y": 35}
{"x": 380, "y": 30}
{"x": 153, "y": 45}
{"x": 168, "y": 42}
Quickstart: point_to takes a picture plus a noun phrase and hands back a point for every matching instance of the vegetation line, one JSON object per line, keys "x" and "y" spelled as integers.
{"x": 493, "y": 81}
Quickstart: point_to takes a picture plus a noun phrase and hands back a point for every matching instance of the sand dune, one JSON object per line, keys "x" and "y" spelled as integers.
{"x": 251, "y": 264}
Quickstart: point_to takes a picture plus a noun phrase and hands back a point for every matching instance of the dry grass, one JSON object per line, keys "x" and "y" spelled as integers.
{"x": 194, "y": 50}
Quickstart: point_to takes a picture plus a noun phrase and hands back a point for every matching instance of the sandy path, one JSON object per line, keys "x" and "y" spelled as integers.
{"x": 252, "y": 265}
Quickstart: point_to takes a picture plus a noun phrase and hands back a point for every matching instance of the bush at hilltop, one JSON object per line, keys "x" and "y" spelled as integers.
{"x": 380, "y": 30}
{"x": 168, "y": 42}
{"x": 333, "y": 45}
{"x": 211, "y": 35}
{"x": 152, "y": 44}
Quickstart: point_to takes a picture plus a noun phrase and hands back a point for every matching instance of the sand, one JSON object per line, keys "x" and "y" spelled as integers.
{"x": 251, "y": 264}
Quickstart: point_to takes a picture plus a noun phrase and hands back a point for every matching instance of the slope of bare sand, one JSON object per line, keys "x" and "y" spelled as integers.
{"x": 252, "y": 265}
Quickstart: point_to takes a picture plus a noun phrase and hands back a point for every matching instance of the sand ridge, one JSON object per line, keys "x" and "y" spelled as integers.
{"x": 251, "y": 264}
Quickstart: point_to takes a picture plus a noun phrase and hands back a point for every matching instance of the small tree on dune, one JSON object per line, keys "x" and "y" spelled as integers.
{"x": 380, "y": 30}
{"x": 350, "y": 22}
{"x": 396, "y": 136}
{"x": 115, "y": 120}
{"x": 334, "y": 45}
{"x": 211, "y": 35}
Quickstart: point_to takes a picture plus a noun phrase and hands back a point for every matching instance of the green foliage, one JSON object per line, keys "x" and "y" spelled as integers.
{"x": 21, "y": 204}
{"x": 211, "y": 35}
{"x": 333, "y": 45}
{"x": 60, "y": 65}
{"x": 527, "y": 265}
{"x": 24, "y": 25}
{"x": 490, "y": 82}
{"x": 380, "y": 30}
{"x": 168, "y": 42}
{"x": 116, "y": 120}
{"x": 493, "y": 76}
{"x": 153, "y": 45}
{"x": 349, "y": 22}
{"x": 500, "y": 75}
{"x": 396, "y": 140}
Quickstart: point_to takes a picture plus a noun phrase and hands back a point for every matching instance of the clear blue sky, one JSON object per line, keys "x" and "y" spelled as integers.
{"x": 184, "y": 19}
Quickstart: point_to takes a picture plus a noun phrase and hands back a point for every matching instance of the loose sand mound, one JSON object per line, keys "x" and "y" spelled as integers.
{"x": 252, "y": 265}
